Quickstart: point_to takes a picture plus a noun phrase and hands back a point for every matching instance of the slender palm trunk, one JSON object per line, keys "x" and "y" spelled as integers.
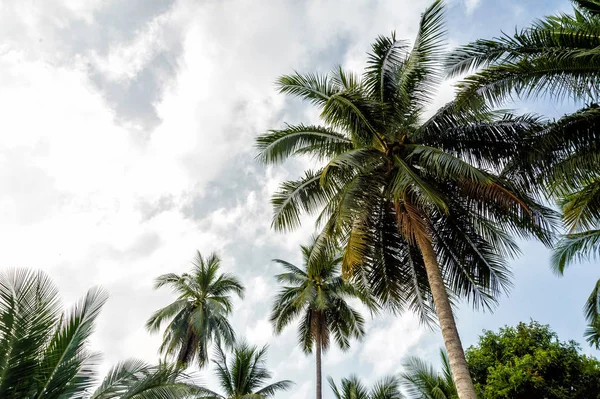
{"x": 456, "y": 354}
{"x": 318, "y": 355}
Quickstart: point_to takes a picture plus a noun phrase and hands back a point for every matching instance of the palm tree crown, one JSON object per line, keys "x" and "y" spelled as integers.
{"x": 199, "y": 314}
{"x": 352, "y": 388}
{"x": 318, "y": 295}
{"x": 245, "y": 375}
{"x": 417, "y": 203}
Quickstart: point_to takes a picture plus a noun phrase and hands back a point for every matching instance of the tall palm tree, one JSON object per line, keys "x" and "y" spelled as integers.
{"x": 352, "y": 388}
{"x": 44, "y": 350}
{"x": 199, "y": 314}
{"x": 318, "y": 295}
{"x": 416, "y": 202}
{"x": 244, "y": 376}
{"x": 423, "y": 382}
{"x": 556, "y": 56}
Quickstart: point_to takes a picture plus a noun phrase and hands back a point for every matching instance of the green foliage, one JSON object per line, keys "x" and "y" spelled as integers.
{"x": 528, "y": 361}
{"x": 44, "y": 350}
{"x": 571, "y": 168}
{"x": 392, "y": 176}
{"x": 352, "y": 388}
{"x": 318, "y": 296}
{"x": 423, "y": 382}
{"x": 244, "y": 375}
{"x": 199, "y": 314}
{"x": 397, "y": 183}
{"x": 133, "y": 379}
{"x": 556, "y": 56}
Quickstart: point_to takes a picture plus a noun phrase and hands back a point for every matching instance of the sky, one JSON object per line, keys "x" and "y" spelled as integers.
{"x": 126, "y": 144}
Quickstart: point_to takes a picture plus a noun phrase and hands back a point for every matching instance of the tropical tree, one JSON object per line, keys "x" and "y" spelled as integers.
{"x": 317, "y": 295}
{"x": 416, "y": 203}
{"x": 557, "y": 56}
{"x": 529, "y": 361}
{"x": 244, "y": 375}
{"x": 423, "y": 382}
{"x": 44, "y": 350}
{"x": 198, "y": 316}
{"x": 352, "y": 388}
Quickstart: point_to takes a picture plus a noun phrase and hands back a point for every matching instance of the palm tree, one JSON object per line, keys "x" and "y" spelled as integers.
{"x": 199, "y": 314}
{"x": 44, "y": 350}
{"x": 416, "y": 202}
{"x": 318, "y": 295}
{"x": 244, "y": 376}
{"x": 423, "y": 382}
{"x": 556, "y": 56}
{"x": 352, "y": 388}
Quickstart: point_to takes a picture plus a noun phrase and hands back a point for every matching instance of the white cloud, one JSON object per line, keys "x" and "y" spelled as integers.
{"x": 471, "y": 5}
{"x": 260, "y": 333}
{"x": 389, "y": 341}
{"x": 302, "y": 391}
{"x": 125, "y": 60}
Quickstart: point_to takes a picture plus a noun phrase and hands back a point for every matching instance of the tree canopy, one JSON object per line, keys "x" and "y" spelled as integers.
{"x": 528, "y": 361}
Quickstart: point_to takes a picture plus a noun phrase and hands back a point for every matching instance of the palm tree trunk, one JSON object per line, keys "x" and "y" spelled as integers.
{"x": 318, "y": 355}
{"x": 456, "y": 354}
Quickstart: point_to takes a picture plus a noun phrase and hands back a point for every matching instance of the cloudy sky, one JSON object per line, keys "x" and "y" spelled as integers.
{"x": 126, "y": 143}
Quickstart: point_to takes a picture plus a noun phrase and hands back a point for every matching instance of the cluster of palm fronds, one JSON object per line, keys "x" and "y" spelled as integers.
{"x": 44, "y": 350}
{"x": 557, "y": 57}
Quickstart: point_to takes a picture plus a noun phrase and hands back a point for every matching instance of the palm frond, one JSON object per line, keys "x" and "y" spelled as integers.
{"x": 575, "y": 247}
{"x": 592, "y": 334}
{"x": 556, "y": 56}
{"x": 116, "y": 382}
{"x": 590, "y": 6}
{"x": 387, "y": 388}
{"x": 321, "y": 142}
{"x": 314, "y": 88}
{"x": 592, "y": 305}
{"x": 294, "y": 197}
{"x": 385, "y": 60}
{"x": 581, "y": 209}
{"x": 420, "y": 74}
{"x": 29, "y": 311}
{"x": 65, "y": 364}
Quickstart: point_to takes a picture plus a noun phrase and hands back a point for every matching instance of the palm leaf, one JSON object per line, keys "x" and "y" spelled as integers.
{"x": 278, "y": 145}
{"x": 65, "y": 362}
{"x": 575, "y": 247}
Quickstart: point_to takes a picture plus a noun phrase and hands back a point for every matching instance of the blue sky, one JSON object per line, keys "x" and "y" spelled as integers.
{"x": 127, "y": 144}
